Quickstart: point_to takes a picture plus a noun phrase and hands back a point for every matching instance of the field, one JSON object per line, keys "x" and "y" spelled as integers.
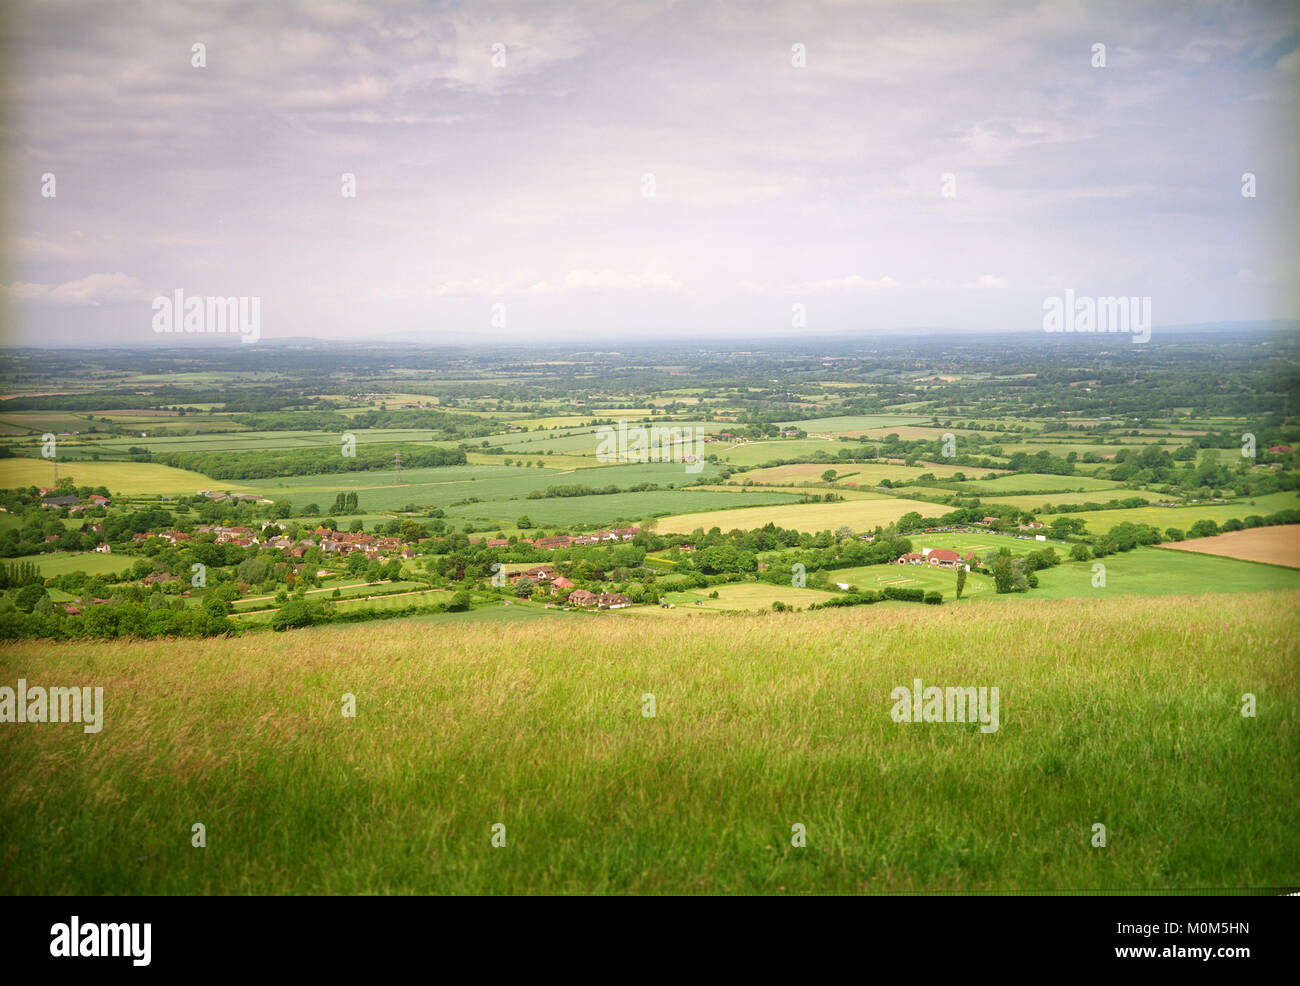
{"x": 128, "y": 478}
{"x": 761, "y": 722}
{"x": 64, "y": 563}
{"x": 1100, "y": 521}
{"x": 1157, "y": 572}
{"x": 743, "y": 596}
{"x": 850, "y": 422}
{"x": 931, "y": 579}
{"x": 863, "y": 475}
{"x": 445, "y": 485}
{"x": 608, "y": 507}
{"x": 1272, "y": 545}
{"x": 1035, "y": 483}
{"x": 861, "y": 515}
{"x": 1038, "y": 501}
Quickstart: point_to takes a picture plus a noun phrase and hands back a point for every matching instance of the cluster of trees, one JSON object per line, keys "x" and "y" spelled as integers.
{"x": 304, "y": 462}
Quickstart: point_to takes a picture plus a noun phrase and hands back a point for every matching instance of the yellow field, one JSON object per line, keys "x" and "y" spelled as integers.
{"x": 861, "y": 515}
{"x": 126, "y": 478}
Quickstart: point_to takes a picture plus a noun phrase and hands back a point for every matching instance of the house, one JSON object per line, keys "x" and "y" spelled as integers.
{"x": 581, "y": 597}
{"x": 559, "y": 541}
{"x": 540, "y": 573}
{"x": 1280, "y": 449}
{"x": 1033, "y": 525}
{"x": 103, "y": 549}
{"x": 99, "y": 501}
{"x": 58, "y": 501}
{"x": 612, "y": 600}
{"x": 911, "y": 558}
{"x": 558, "y": 583}
{"x": 498, "y": 543}
{"x": 990, "y": 520}
{"x": 943, "y": 558}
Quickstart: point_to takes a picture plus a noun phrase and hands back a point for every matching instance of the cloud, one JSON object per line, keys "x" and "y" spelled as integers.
{"x": 600, "y": 281}
{"x": 989, "y": 282}
{"x": 95, "y": 289}
{"x": 854, "y": 282}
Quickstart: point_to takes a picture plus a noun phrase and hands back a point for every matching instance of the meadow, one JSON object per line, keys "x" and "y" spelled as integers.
{"x": 1100, "y": 521}
{"x": 862, "y": 474}
{"x": 761, "y": 722}
{"x": 92, "y": 563}
{"x": 608, "y": 507}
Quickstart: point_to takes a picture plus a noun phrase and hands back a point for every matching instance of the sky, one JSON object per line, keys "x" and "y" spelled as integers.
{"x": 558, "y": 171}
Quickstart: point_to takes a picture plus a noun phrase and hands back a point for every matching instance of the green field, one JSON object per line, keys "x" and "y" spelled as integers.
{"x": 446, "y": 485}
{"x": 769, "y": 450}
{"x": 1112, "y": 710}
{"x": 1036, "y": 483}
{"x": 1039, "y": 501}
{"x": 1150, "y": 572}
{"x": 1100, "y": 521}
{"x": 606, "y": 508}
{"x": 851, "y": 422}
{"x": 66, "y": 562}
{"x": 862, "y": 474}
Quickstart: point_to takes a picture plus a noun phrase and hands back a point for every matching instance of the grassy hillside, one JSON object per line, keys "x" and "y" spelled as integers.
{"x": 1120, "y": 711}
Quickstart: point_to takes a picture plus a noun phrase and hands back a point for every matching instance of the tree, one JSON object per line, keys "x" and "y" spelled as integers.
{"x": 1004, "y": 579}
{"x": 829, "y": 476}
{"x": 524, "y": 587}
{"x": 961, "y": 580}
{"x": 523, "y": 523}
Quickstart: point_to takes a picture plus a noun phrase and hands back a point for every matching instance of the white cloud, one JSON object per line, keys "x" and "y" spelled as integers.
{"x": 854, "y": 282}
{"x": 95, "y": 289}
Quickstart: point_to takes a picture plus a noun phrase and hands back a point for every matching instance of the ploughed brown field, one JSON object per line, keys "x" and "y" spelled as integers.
{"x": 1274, "y": 545}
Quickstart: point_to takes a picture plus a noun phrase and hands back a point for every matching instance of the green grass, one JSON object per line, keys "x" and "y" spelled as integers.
{"x": 1112, "y": 711}
{"x": 606, "y": 508}
{"x": 852, "y": 422}
{"x": 65, "y": 562}
{"x": 1100, "y": 521}
{"x": 377, "y": 490}
{"x": 1151, "y": 572}
{"x": 1037, "y": 483}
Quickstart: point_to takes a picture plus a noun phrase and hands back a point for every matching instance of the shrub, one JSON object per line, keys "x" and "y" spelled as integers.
{"x": 933, "y": 598}
{"x": 905, "y": 595}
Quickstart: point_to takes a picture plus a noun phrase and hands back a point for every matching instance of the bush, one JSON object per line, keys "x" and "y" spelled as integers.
{"x": 905, "y": 595}
{"x": 933, "y": 598}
